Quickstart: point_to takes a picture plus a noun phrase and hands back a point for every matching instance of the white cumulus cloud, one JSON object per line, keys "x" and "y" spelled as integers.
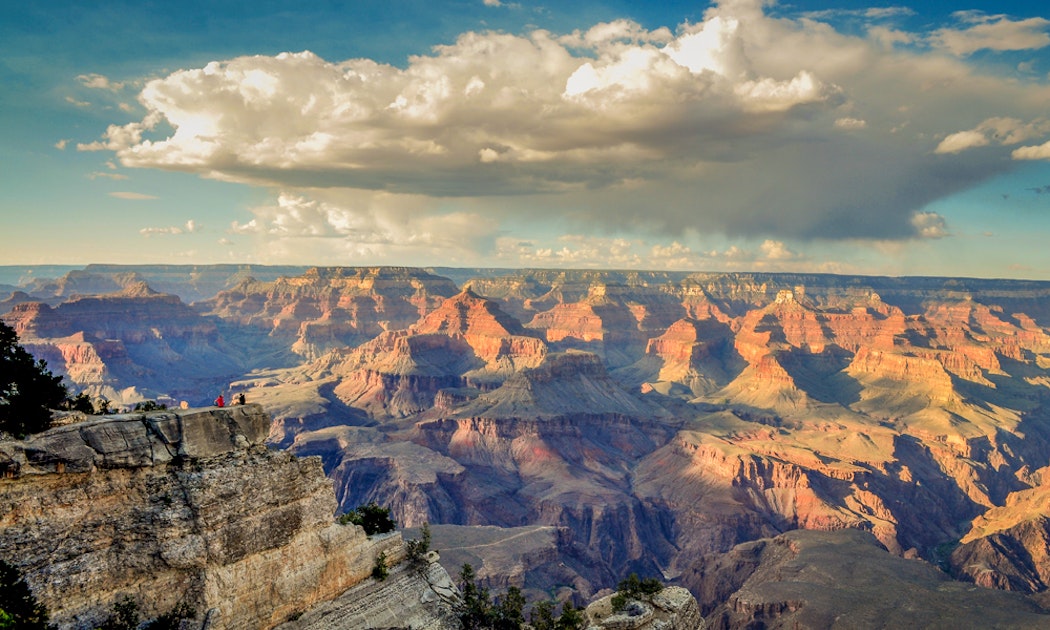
{"x": 733, "y": 124}
{"x": 929, "y": 225}
{"x": 1038, "y": 152}
{"x": 993, "y": 32}
{"x": 189, "y": 227}
{"x": 999, "y": 130}
{"x": 100, "y": 82}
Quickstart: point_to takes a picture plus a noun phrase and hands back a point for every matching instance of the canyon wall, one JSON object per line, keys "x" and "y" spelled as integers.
{"x": 184, "y": 506}
{"x": 653, "y": 418}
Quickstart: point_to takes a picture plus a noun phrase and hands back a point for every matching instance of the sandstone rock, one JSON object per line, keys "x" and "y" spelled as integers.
{"x": 408, "y": 598}
{"x": 564, "y": 384}
{"x": 673, "y": 608}
{"x": 114, "y": 345}
{"x": 1008, "y": 547}
{"x": 183, "y": 506}
{"x": 327, "y": 308}
{"x": 908, "y": 407}
{"x": 504, "y": 556}
{"x": 845, "y": 579}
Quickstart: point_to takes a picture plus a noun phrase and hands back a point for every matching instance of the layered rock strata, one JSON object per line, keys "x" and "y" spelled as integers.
{"x": 127, "y": 346}
{"x": 331, "y": 307}
{"x": 844, "y": 579}
{"x": 1008, "y": 547}
{"x": 176, "y": 507}
{"x": 673, "y": 608}
{"x": 420, "y": 598}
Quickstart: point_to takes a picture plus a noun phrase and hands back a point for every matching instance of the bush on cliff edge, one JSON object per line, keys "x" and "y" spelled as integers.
{"x": 18, "y": 607}
{"x": 28, "y": 390}
{"x": 373, "y": 518}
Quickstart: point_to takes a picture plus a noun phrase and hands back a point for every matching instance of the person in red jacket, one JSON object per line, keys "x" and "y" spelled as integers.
{"x": 220, "y": 401}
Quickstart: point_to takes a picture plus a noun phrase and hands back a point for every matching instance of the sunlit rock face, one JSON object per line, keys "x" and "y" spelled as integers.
{"x": 761, "y": 405}
{"x": 128, "y": 346}
{"x": 328, "y": 308}
{"x": 654, "y": 419}
{"x": 176, "y": 507}
{"x": 1008, "y": 547}
{"x": 810, "y": 579}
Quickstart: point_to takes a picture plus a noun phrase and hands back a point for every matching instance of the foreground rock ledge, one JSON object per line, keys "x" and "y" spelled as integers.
{"x": 178, "y": 506}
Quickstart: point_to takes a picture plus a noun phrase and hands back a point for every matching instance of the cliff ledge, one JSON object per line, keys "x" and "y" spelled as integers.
{"x": 181, "y": 506}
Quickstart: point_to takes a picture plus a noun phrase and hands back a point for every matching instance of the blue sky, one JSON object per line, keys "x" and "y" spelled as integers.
{"x": 838, "y": 137}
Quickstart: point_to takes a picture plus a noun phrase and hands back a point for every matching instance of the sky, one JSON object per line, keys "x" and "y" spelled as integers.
{"x": 743, "y": 135}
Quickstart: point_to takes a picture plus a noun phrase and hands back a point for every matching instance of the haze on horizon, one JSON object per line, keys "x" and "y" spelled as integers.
{"x": 833, "y": 137}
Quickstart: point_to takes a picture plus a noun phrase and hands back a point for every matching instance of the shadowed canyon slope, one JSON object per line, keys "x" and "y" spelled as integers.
{"x": 654, "y": 421}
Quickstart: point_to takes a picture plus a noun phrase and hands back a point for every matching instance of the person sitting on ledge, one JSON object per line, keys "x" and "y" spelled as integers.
{"x": 240, "y": 398}
{"x": 220, "y": 401}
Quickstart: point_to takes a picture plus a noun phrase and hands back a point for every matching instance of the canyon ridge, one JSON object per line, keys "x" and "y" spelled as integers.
{"x": 739, "y": 435}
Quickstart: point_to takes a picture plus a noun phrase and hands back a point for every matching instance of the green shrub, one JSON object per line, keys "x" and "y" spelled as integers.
{"x": 173, "y": 619}
{"x": 507, "y": 613}
{"x": 82, "y": 403}
{"x": 416, "y": 550}
{"x": 28, "y": 390}
{"x": 371, "y": 517}
{"x": 475, "y": 610}
{"x": 571, "y": 618}
{"x": 633, "y": 588}
{"x": 542, "y": 617}
{"x": 18, "y": 607}
{"x": 379, "y": 569}
{"x": 102, "y": 407}
{"x": 123, "y": 616}
{"x": 149, "y": 405}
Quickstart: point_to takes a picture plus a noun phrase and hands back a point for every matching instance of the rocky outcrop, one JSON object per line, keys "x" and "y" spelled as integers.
{"x": 606, "y": 323}
{"x": 809, "y": 579}
{"x": 399, "y": 374}
{"x": 712, "y": 409}
{"x": 507, "y": 556}
{"x": 465, "y": 342}
{"x": 331, "y": 307}
{"x": 497, "y": 339}
{"x": 1008, "y": 547}
{"x": 128, "y": 346}
{"x": 190, "y": 282}
{"x": 696, "y": 354}
{"x": 176, "y": 507}
{"x": 420, "y": 598}
{"x": 673, "y": 608}
{"x": 564, "y": 384}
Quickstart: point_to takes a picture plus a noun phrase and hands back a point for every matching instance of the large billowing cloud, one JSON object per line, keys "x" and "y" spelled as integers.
{"x": 742, "y": 124}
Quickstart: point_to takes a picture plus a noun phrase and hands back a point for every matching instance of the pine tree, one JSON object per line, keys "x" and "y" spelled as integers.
{"x": 476, "y": 608}
{"x": 28, "y": 390}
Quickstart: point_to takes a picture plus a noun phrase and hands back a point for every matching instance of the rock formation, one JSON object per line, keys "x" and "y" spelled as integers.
{"x": 128, "y": 346}
{"x": 176, "y": 507}
{"x": 191, "y": 283}
{"x": 328, "y": 308}
{"x": 1008, "y": 547}
{"x": 809, "y": 579}
{"x": 673, "y": 608}
{"x": 420, "y": 599}
{"x": 654, "y": 418}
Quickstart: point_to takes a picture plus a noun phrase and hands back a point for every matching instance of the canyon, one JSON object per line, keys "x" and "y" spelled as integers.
{"x": 648, "y": 422}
